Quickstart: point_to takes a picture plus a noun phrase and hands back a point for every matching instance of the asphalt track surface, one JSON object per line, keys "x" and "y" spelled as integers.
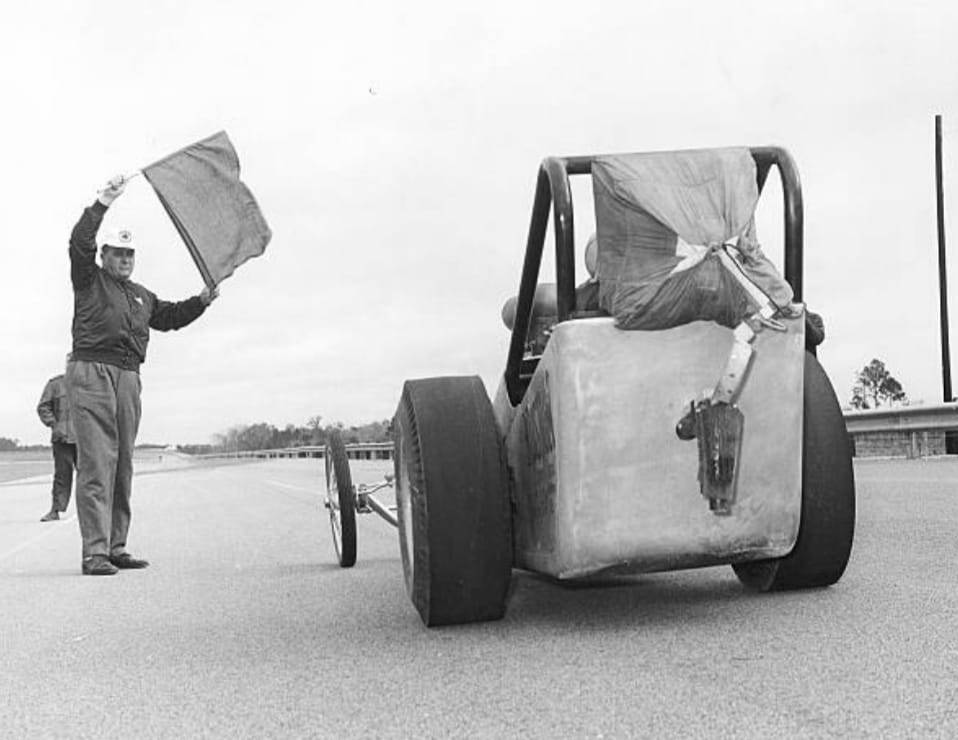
{"x": 244, "y": 626}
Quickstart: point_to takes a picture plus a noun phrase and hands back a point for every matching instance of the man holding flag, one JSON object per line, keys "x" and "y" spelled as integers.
{"x": 222, "y": 227}
{"x": 111, "y": 327}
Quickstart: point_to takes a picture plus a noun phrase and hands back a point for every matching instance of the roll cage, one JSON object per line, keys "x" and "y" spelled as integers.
{"x": 553, "y": 193}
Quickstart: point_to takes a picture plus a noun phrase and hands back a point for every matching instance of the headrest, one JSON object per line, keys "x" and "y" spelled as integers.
{"x": 545, "y": 303}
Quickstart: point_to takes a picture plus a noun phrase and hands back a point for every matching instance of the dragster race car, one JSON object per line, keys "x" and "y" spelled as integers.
{"x": 669, "y": 413}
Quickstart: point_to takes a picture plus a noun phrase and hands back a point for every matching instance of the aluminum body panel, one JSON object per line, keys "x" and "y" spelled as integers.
{"x": 601, "y": 481}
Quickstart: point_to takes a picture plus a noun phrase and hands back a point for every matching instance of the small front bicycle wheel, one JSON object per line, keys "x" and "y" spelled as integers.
{"x": 340, "y": 500}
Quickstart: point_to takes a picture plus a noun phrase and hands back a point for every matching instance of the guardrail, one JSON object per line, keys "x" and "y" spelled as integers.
{"x": 354, "y": 451}
{"x": 935, "y": 416}
{"x": 904, "y": 431}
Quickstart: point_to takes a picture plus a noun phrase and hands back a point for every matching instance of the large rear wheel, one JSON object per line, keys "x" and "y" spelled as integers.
{"x": 455, "y": 532}
{"x": 827, "y": 525}
{"x": 340, "y": 500}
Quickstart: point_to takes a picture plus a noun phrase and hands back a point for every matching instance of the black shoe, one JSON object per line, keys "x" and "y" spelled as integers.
{"x": 98, "y": 565}
{"x": 51, "y": 516}
{"x": 127, "y": 562}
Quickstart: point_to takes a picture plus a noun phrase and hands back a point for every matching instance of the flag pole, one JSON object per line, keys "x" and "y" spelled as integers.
{"x": 942, "y": 268}
{"x": 126, "y": 179}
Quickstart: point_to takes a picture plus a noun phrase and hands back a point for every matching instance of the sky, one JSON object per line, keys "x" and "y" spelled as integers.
{"x": 393, "y": 149}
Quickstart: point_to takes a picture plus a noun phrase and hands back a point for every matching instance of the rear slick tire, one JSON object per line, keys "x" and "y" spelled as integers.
{"x": 827, "y": 526}
{"x": 455, "y": 525}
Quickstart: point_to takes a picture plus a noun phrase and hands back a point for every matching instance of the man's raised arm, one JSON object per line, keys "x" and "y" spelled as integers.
{"x": 83, "y": 237}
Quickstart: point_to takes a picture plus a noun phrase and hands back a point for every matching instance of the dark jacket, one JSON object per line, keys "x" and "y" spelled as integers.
{"x": 54, "y": 411}
{"x": 112, "y": 318}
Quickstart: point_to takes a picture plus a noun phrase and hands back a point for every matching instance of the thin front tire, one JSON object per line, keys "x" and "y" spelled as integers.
{"x": 340, "y": 501}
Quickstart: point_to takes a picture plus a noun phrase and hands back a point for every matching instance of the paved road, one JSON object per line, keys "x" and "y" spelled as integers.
{"x": 245, "y": 627}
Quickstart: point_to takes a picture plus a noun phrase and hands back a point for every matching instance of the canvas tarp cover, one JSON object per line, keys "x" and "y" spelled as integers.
{"x": 659, "y": 218}
{"x": 212, "y": 209}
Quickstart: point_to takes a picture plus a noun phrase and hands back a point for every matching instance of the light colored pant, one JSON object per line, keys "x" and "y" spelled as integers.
{"x": 105, "y": 403}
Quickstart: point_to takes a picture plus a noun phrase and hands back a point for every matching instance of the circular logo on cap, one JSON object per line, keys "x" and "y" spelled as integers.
{"x": 124, "y": 237}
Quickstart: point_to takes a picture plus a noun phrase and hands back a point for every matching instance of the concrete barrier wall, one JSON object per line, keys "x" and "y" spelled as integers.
{"x": 904, "y": 431}
{"x": 909, "y": 444}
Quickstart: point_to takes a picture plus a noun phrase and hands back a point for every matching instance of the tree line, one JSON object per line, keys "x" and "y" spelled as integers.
{"x": 264, "y": 436}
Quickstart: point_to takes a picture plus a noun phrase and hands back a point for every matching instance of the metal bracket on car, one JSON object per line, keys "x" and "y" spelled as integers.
{"x": 730, "y": 383}
{"x": 718, "y": 425}
{"x": 719, "y": 428}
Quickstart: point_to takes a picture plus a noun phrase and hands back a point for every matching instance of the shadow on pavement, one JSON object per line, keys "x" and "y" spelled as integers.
{"x": 665, "y": 598}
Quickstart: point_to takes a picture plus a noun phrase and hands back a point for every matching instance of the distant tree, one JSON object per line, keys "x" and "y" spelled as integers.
{"x": 264, "y": 436}
{"x": 8, "y": 445}
{"x": 196, "y": 449}
{"x": 875, "y": 386}
{"x": 375, "y": 431}
{"x": 260, "y": 436}
{"x": 316, "y": 434}
{"x": 290, "y": 436}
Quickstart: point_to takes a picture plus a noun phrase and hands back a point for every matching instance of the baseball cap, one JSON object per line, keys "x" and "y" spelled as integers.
{"x": 120, "y": 238}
